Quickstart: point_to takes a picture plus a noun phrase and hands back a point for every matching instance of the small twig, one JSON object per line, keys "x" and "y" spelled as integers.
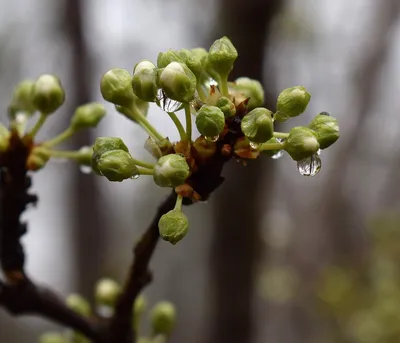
{"x": 139, "y": 276}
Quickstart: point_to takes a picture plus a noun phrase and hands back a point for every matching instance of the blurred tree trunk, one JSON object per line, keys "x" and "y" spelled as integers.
{"x": 88, "y": 227}
{"x": 236, "y": 243}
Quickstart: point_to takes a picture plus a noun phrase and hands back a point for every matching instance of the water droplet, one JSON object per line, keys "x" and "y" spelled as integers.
{"x": 325, "y": 114}
{"x": 211, "y": 139}
{"x": 167, "y": 104}
{"x": 309, "y": 166}
{"x": 135, "y": 176}
{"x": 211, "y": 82}
{"x": 85, "y": 169}
{"x": 319, "y": 152}
{"x": 254, "y": 145}
{"x": 278, "y": 155}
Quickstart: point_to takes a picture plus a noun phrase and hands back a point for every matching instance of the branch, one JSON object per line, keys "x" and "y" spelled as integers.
{"x": 139, "y": 276}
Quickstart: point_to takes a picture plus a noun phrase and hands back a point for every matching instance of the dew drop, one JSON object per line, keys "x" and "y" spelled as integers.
{"x": 254, "y": 145}
{"x": 309, "y": 166}
{"x": 135, "y": 176}
{"x": 167, "y": 104}
{"x": 325, "y": 114}
{"x": 211, "y": 139}
{"x": 278, "y": 155}
{"x": 85, "y": 169}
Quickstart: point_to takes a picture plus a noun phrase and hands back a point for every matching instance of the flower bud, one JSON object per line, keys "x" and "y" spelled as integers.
{"x": 178, "y": 82}
{"x": 251, "y": 89}
{"x": 210, "y": 121}
{"x": 144, "y": 81}
{"x": 78, "y": 304}
{"x": 171, "y": 171}
{"x": 257, "y": 125}
{"x": 107, "y": 292}
{"x": 173, "y": 226}
{"x": 302, "y": 142}
{"x": 116, "y": 87}
{"x": 139, "y": 306}
{"x": 165, "y": 58}
{"x": 199, "y": 53}
{"x": 222, "y": 56}
{"x": 22, "y": 98}
{"x": 38, "y": 158}
{"x": 226, "y": 106}
{"x": 158, "y": 148}
{"x": 163, "y": 318}
{"x": 52, "y": 337}
{"x": 4, "y": 138}
{"x": 326, "y": 128}
{"x": 104, "y": 144}
{"x": 47, "y": 94}
{"x": 292, "y": 102}
{"x": 117, "y": 165}
{"x": 88, "y": 115}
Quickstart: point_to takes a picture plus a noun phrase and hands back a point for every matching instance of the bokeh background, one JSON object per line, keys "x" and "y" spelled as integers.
{"x": 273, "y": 256}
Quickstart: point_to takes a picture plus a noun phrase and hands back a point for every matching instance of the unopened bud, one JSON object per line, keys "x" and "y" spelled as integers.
{"x": 302, "y": 142}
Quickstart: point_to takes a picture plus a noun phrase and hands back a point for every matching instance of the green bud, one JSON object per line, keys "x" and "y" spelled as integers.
{"x": 104, "y": 144}
{"x": 38, "y": 158}
{"x": 251, "y": 89}
{"x": 117, "y": 165}
{"x": 222, "y": 56}
{"x": 4, "y": 138}
{"x": 210, "y": 121}
{"x": 78, "y": 304}
{"x": 165, "y": 58}
{"x": 292, "y": 102}
{"x": 163, "y": 318}
{"x": 257, "y": 125}
{"x": 144, "y": 81}
{"x": 178, "y": 82}
{"x": 22, "y": 98}
{"x": 88, "y": 115}
{"x": 226, "y": 106}
{"x": 116, "y": 87}
{"x": 140, "y": 305}
{"x": 47, "y": 94}
{"x": 52, "y": 337}
{"x": 199, "y": 53}
{"x": 173, "y": 226}
{"x": 107, "y": 292}
{"x": 327, "y": 129}
{"x": 158, "y": 148}
{"x": 302, "y": 142}
{"x": 171, "y": 171}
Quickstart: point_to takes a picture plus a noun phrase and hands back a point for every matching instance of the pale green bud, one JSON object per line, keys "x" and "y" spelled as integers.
{"x": 251, "y": 89}
{"x": 116, "y": 87}
{"x": 171, "y": 171}
{"x": 140, "y": 305}
{"x": 144, "y": 81}
{"x": 22, "y": 98}
{"x": 107, "y": 292}
{"x": 302, "y": 142}
{"x": 222, "y": 56}
{"x": 165, "y": 58}
{"x": 210, "y": 121}
{"x": 226, "y": 106}
{"x": 257, "y": 125}
{"x": 47, "y": 94}
{"x": 163, "y": 318}
{"x": 199, "y": 53}
{"x": 104, "y": 144}
{"x": 117, "y": 165}
{"x": 88, "y": 115}
{"x": 4, "y": 138}
{"x": 327, "y": 129}
{"x": 173, "y": 226}
{"x": 292, "y": 102}
{"x": 178, "y": 82}
{"x": 38, "y": 158}
{"x": 52, "y": 337}
{"x": 158, "y": 148}
{"x": 78, "y": 304}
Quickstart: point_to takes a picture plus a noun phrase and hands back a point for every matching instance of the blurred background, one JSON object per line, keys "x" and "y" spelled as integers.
{"x": 273, "y": 256}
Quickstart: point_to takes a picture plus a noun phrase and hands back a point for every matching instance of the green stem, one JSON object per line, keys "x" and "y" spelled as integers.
{"x": 224, "y": 85}
{"x": 142, "y": 120}
{"x": 178, "y": 125}
{"x": 178, "y": 204}
{"x": 145, "y": 171}
{"x": 60, "y": 138}
{"x": 38, "y": 125}
{"x": 271, "y": 146}
{"x": 143, "y": 164}
{"x": 202, "y": 93}
{"x": 281, "y": 135}
{"x": 188, "y": 117}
